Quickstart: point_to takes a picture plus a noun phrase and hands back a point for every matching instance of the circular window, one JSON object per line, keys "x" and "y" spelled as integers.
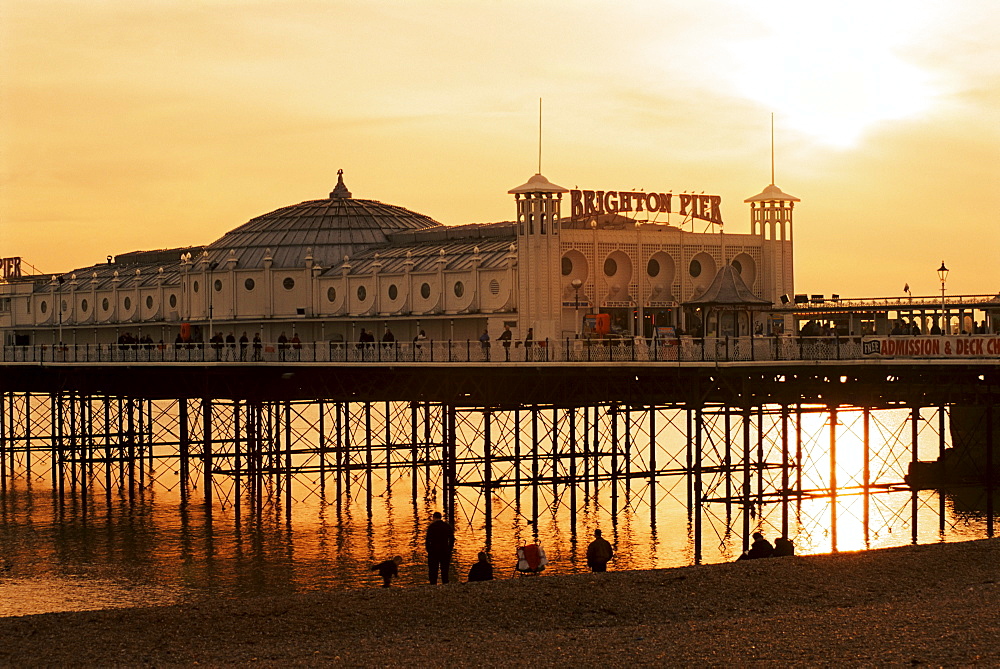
{"x": 331, "y": 293}
{"x": 459, "y": 289}
{"x": 218, "y": 285}
{"x": 288, "y": 283}
{"x": 610, "y": 267}
{"x": 425, "y": 290}
{"x": 83, "y": 305}
{"x": 362, "y": 293}
{"x": 195, "y": 286}
{"x": 44, "y": 307}
{"x": 104, "y": 304}
{"x": 567, "y": 266}
{"x": 149, "y": 301}
{"x": 737, "y": 266}
{"x": 249, "y": 284}
{"x": 495, "y": 287}
{"x": 653, "y": 267}
{"x": 393, "y": 292}
{"x": 173, "y": 301}
{"x": 128, "y": 303}
{"x": 695, "y": 269}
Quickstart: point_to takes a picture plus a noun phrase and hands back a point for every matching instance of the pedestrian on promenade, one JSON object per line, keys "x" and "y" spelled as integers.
{"x": 257, "y": 346}
{"x": 505, "y": 337}
{"x": 484, "y": 341}
{"x": 439, "y": 541}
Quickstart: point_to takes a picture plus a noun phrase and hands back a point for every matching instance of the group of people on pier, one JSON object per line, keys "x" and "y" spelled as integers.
{"x": 439, "y": 543}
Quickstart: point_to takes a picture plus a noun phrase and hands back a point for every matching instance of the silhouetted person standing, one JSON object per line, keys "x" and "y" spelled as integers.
{"x": 439, "y": 541}
{"x": 482, "y": 570}
{"x": 599, "y": 553}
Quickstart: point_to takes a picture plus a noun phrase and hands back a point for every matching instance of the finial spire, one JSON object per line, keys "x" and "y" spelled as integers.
{"x": 340, "y": 191}
{"x": 772, "y": 148}
{"x": 539, "y": 136}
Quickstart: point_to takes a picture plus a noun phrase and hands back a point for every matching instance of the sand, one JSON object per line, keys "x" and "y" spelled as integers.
{"x": 934, "y": 605}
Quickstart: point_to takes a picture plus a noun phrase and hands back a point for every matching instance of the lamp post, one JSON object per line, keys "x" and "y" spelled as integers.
{"x": 943, "y": 275}
{"x": 211, "y": 300}
{"x": 59, "y": 279}
{"x": 576, "y": 283}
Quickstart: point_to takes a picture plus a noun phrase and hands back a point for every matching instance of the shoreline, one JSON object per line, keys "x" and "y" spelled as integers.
{"x": 934, "y": 604}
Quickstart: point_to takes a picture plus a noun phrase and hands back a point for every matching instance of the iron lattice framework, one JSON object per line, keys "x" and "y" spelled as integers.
{"x": 797, "y": 468}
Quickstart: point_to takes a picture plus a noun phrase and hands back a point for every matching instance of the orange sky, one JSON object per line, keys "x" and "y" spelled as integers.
{"x": 165, "y": 123}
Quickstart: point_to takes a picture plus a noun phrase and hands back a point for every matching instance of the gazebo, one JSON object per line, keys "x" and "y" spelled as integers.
{"x": 727, "y": 294}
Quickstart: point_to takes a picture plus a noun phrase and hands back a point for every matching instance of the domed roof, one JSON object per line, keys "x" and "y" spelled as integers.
{"x": 332, "y": 228}
{"x": 772, "y": 194}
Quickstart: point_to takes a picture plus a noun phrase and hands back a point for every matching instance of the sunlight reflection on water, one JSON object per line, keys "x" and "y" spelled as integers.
{"x": 154, "y": 549}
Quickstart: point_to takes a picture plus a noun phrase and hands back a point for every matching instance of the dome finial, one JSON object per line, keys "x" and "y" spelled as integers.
{"x": 340, "y": 191}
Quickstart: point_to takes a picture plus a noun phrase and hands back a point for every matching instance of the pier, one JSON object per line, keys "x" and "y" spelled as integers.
{"x": 741, "y": 430}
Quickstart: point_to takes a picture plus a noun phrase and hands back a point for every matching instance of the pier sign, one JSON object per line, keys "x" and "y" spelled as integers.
{"x": 586, "y": 203}
{"x": 10, "y": 268}
{"x": 932, "y": 347}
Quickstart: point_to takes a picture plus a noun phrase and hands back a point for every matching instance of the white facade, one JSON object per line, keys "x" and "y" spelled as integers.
{"x": 325, "y": 269}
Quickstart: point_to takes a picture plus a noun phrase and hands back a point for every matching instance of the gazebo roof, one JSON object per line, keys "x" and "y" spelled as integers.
{"x": 727, "y": 290}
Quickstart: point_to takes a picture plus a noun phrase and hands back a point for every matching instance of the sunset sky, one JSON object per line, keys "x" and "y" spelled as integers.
{"x": 143, "y": 125}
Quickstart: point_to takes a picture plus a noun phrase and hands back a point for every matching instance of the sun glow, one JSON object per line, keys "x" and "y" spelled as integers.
{"x": 834, "y": 75}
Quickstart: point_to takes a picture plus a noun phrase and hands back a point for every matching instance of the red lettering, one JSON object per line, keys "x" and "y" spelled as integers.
{"x": 716, "y": 216}
{"x": 577, "y": 204}
{"x": 665, "y": 202}
{"x": 611, "y": 202}
{"x": 600, "y": 202}
{"x": 588, "y": 203}
{"x": 625, "y": 203}
{"x": 685, "y": 201}
{"x": 652, "y": 202}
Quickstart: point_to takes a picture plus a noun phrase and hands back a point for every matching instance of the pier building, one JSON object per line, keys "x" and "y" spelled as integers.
{"x": 327, "y": 269}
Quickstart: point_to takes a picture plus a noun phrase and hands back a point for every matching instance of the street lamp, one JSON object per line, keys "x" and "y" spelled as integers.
{"x": 211, "y": 300}
{"x": 943, "y": 275}
{"x": 576, "y": 283}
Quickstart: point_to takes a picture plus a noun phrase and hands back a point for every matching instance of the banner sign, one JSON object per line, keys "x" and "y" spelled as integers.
{"x": 932, "y": 347}
{"x": 586, "y": 203}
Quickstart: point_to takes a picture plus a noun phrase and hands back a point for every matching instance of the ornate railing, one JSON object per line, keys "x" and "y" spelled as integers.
{"x": 638, "y": 350}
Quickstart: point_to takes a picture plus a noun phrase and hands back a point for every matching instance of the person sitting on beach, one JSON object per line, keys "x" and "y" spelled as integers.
{"x": 482, "y": 570}
{"x": 760, "y": 548}
{"x": 783, "y": 547}
{"x": 388, "y": 569}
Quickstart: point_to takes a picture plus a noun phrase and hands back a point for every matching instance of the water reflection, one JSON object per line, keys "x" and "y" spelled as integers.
{"x": 155, "y": 545}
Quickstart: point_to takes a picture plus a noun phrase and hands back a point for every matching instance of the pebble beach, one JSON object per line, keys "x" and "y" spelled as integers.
{"x": 934, "y": 605}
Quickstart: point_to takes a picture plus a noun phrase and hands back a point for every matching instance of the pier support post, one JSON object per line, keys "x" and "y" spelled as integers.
{"x": 697, "y": 484}
{"x": 784, "y": 470}
{"x": 833, "y": 478}
{"x": 866, "y": 474}
{"x": 206, "y": 407}
{"x": 914, "y": 456}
